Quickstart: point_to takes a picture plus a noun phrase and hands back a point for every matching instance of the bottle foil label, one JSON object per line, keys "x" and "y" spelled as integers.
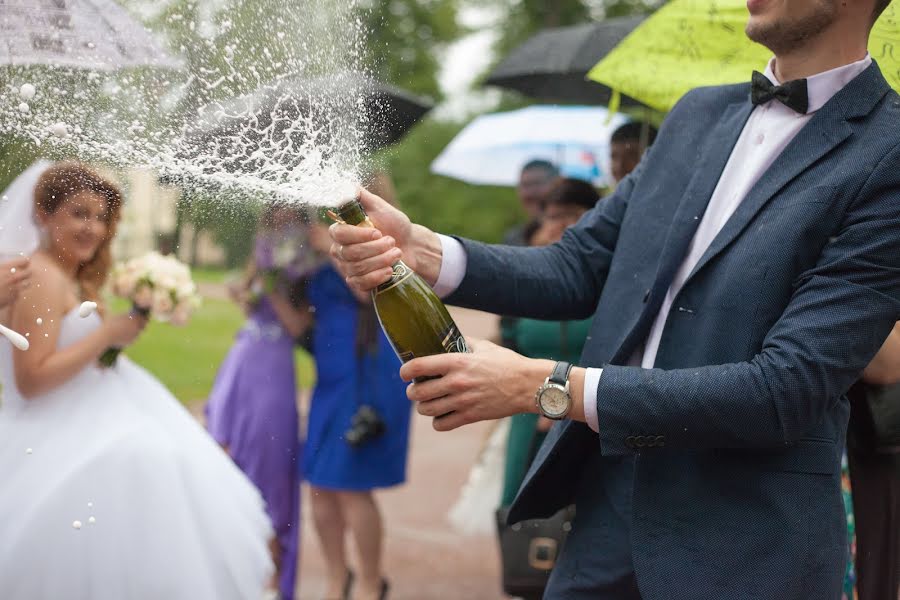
{"x": 401, "y": 273}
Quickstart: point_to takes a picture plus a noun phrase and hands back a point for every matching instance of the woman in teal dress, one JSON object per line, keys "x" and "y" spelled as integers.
{"x": 556, "y": 340}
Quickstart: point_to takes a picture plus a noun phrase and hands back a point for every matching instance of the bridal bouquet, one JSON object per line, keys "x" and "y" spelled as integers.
{"x": 159, "y": 287}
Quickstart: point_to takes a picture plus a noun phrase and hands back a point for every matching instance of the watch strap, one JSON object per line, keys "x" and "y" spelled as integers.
{"x": 560, "y": 374}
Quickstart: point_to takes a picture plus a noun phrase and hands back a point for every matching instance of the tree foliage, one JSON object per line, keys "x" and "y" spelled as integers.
{"x": 446, "y": 205}
{"x": 405, "y": 40}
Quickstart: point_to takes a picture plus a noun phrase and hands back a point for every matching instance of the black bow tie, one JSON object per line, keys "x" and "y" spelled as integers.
{"x": 792, "y": 94}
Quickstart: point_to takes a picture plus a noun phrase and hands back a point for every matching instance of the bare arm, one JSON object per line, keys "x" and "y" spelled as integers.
{"x": 885, "y": 367}
{"x": 44, "y": 367}
{"x": 15, "y": 276}
{"x": 295, "y": 320}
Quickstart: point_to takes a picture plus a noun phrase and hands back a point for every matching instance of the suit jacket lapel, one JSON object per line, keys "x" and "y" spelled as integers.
{"x": 713, "y": 159}
{"x": 827, "y": 129}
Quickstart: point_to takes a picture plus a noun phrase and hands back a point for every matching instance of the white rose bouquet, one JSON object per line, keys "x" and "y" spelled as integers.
{"x": 159, "y": 287}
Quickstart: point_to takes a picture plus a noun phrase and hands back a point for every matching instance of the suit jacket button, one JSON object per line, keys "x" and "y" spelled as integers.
{"x": 640, "y": 441}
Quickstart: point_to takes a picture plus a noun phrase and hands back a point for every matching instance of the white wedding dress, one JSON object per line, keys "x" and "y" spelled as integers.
{"x": 110, "y": 490}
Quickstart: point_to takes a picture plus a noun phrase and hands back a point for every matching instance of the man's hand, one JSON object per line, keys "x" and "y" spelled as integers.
{"x": 15, "y": 276}
{"x": 489, "y": 383}
{"x": 365, "y": 256}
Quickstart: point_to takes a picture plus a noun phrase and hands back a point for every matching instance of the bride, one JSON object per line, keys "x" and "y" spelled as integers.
{"x": 110, "y": 490}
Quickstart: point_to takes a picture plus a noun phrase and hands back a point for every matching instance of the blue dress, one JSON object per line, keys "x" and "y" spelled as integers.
{"x": 345, "y": 381}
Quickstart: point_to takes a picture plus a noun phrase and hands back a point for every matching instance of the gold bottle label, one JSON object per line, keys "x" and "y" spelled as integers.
{"x": 401, "y": 273}
{"x": 454, "y": 341}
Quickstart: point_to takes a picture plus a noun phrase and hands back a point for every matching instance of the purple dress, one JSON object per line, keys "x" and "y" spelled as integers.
{"x": 252, "y": 410}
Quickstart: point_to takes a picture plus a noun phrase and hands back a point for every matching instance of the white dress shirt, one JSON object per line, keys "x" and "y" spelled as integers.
{"x": 768, "y": 131}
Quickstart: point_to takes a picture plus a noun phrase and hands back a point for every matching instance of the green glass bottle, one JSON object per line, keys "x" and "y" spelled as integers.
{"x": 412, "y": 316}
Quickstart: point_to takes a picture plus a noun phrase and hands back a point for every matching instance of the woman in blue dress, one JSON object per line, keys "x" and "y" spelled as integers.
{"x": 344, "y": 463}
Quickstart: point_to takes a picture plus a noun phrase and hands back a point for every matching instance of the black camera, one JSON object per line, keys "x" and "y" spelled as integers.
{"x": 365, "y": 426}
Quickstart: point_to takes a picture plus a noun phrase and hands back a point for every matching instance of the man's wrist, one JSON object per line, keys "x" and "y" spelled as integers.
{"x": 429, "y": 253}
{"x": 536, "y": 373}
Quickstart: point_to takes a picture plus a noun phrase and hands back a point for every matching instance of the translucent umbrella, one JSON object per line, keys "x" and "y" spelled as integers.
{"x": 694, "y": 43}
{"x": 337, "y": 104}
{"x": 91, "y": 35}
{"x": 492, "y": 149}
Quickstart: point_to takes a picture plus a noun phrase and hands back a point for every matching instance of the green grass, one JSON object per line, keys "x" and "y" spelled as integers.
{"x": 186, "y": 359}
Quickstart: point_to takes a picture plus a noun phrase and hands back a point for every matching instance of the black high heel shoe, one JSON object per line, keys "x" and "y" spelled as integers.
{"x": 348, "y": 585}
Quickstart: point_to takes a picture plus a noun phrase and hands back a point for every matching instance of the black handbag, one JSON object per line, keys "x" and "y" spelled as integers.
{"x": 875, "y": 420}
{"x": 528, "y": 550}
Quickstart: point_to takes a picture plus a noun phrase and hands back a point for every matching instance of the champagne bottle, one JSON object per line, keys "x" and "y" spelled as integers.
{"x": 412, "y": 316}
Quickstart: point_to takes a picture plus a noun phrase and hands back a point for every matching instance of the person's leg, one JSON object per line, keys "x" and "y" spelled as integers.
{"x": 876, "y": 508}
{"x": 329, "y": 518}
{"x": 364, "y": 520}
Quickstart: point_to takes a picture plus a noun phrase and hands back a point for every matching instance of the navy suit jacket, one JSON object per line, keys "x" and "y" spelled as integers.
{"x": 737, "y": 433}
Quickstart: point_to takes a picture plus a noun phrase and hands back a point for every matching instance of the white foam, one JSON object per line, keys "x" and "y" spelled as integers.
{"x": 230, "y": 150}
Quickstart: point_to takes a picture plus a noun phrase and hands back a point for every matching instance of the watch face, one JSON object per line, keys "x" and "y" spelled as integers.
{"x": 555, "y": 401}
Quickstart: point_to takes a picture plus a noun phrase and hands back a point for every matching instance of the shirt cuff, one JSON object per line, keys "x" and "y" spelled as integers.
{"x": 591, "y": 381}
{"x": 453, "y": 266}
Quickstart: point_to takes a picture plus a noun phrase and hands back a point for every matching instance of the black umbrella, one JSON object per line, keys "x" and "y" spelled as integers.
{"x": 553, "y": 64}
{"x": 325, "y": 106}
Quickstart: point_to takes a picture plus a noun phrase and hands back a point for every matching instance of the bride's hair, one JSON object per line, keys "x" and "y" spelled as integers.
{"x": 64, "y": 180}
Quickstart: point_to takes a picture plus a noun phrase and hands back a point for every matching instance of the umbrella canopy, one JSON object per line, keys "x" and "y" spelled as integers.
{"x": 553, "y": 64}
{"x": 492, "y": 149}
{"x": 693, "y": 43}
{"x": 380, "y": 112}
{"x": 94, "y": 35}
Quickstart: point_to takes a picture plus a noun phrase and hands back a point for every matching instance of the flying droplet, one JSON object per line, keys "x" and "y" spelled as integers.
{"x": 28, "y": 451}
{"x": 40, "y": 321}
{"x": 86, "y": 309}
{"x": 76, "y": 524}
{"x": 24, "y": 108}
{"x": 60, "y": 130}
{"x": 27, "y": 91}
{"x": 15, "y": 338}
{"x": 92, "y": 520}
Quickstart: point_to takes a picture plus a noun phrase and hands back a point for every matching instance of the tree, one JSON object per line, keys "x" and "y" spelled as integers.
{"x": 444, "y": 204}
{"x": 526, "y": 17}
{"x": 405, "y": 39}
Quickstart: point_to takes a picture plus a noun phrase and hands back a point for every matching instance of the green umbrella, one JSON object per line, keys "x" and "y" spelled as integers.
{"x": 694, "y": 43}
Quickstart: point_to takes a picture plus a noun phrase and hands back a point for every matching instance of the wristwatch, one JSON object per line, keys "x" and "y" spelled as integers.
{"x": 553, "y": 399}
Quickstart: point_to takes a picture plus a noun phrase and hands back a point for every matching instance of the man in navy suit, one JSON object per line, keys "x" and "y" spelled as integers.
{"x": 740, "y": 280}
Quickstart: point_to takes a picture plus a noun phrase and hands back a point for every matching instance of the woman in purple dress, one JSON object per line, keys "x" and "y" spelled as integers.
{"x": 252, "y": 409}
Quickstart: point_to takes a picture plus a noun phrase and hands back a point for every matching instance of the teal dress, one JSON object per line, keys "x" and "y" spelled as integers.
{"x": 556, "y": 340}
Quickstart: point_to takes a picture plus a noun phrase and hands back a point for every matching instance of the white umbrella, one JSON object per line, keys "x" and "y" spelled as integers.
{"x": 94, "y": 35}
{"x": 492, "y": 149}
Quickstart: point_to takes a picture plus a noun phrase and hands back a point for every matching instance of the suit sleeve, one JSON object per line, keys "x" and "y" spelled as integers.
{"x": 559, "y": 282}
{"x": 839, "y": 315}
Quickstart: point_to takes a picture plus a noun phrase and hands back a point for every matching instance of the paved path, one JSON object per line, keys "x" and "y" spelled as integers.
{"x": 424, "y": 557}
